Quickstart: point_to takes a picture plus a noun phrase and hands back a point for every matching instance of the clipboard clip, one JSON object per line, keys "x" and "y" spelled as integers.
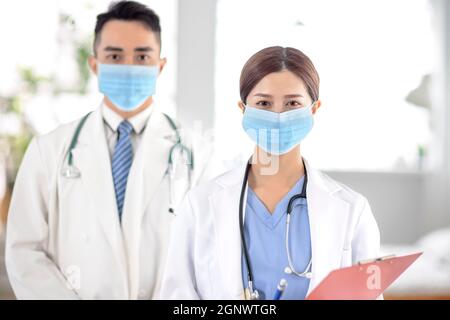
{"x": 376, "y": 259}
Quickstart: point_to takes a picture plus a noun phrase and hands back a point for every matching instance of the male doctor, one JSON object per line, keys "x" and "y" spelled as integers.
{"x": 91, "y": 220}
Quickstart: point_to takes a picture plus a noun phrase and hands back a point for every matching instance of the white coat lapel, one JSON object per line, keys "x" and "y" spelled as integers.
{"x": 225, "y": 206}
{"x": 146, "y": 173}
{"x": 91, "y": 156}
{"x": 328, "y": 217}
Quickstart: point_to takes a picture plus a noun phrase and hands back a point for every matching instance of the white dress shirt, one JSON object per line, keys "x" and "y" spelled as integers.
{"x": 112, "y": 121}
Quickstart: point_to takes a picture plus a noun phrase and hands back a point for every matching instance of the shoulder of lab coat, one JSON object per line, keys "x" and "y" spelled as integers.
{"x": 27, "y": 225}
{"x": 206, "y": 166}
{"x": 365, "y": 242}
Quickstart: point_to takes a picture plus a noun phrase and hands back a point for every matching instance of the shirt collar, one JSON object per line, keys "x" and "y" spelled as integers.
{"x": 138, "y": 121}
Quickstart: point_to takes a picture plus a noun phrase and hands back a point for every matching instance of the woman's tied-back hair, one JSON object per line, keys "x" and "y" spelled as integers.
{"x": 276, "y": 59}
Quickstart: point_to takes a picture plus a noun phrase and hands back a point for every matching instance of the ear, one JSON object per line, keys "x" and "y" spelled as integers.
{"x": 316, "y": 106}
{"x": 241, "y": 106}
{"x": 92, "y": 61}
{"x": 162, "y": 64}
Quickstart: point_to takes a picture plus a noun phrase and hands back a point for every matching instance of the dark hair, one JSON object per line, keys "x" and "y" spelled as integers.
{"x": 275, "y": 59}
{"x": 128, "y": 11}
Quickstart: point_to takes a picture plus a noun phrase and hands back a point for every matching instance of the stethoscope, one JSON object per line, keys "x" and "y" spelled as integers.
{"x": 252, "y": 293}
{"x": 70, "y": 171}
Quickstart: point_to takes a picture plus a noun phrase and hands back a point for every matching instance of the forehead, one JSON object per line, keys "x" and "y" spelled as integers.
{"x": 127, "y": 35}
{"x": 283, "y": 82}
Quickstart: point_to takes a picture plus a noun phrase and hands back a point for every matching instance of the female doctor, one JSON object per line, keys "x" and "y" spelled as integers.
{"x": 276, "y": 220}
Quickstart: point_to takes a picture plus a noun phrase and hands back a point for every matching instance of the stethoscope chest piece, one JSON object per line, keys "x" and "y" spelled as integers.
{"x": 70, "y": 171}
{"x": 251, "y": 295}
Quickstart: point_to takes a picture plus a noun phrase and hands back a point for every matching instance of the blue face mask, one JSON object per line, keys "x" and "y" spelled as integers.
{"x": 277, "y": 133}
{"x": 127, "y": 86}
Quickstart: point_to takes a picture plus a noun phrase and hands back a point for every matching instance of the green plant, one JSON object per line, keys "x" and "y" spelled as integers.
{"x": 14, "y": 145}
{"x": 31, "y": 80}
{"x": 83, "y": 51}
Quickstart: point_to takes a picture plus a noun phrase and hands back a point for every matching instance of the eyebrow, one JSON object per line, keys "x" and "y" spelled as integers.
{"x": 143, "y": 49}
{"x": 264, "y": 95}
{"x": 113, "y": 49}
{"x": 138, "y": 49}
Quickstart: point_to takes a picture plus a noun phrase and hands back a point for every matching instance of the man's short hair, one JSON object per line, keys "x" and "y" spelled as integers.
{"x": 128, "y": 11}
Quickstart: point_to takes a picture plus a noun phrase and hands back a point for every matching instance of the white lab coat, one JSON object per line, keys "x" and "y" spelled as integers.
{"x": 204, "y": 259}
{"x": 64, "y": 239}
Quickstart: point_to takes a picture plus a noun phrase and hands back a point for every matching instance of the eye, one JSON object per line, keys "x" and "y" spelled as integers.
{"x": 294, "y": 104}
{"x": 114, "y": 57}
{"x": 263, "y": 103}
{"x": 143, "y": 58}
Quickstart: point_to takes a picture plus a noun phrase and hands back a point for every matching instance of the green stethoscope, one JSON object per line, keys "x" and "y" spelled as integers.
{"x": 72, "y": 172}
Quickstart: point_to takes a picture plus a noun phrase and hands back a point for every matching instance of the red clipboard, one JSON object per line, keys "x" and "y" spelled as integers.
{"x": 366, "y": 280}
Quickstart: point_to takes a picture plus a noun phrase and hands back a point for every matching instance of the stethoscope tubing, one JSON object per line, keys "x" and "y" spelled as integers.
{"x": 71, "y": 171}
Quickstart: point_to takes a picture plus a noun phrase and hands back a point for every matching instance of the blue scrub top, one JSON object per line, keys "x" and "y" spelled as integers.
{"x": 265, "y": 237}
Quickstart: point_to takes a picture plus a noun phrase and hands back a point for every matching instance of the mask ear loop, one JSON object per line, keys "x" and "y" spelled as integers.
{"x": 245, "y": 106}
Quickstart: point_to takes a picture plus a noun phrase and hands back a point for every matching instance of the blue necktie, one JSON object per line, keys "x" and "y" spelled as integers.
{"x": 121, "y": 163}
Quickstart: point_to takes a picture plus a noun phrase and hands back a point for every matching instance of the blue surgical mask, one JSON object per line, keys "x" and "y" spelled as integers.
{"x": 127, "y": 86}
{"x": 277, "y": 133}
